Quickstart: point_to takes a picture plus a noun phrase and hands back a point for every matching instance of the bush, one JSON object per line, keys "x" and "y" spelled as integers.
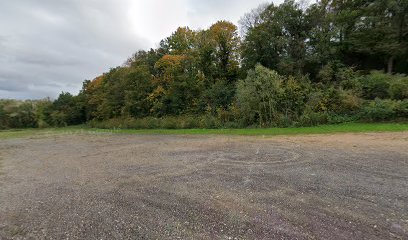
{"x": 349, "y": 103}
{"x": 379, "y": 110}
{"x": 267, "y": 99}
{"x": 292, "y": 100}
{"x": 283, "y": 121}
{"x": 169, "y": 122}
{"x": 258, "y": 95}
{"x": 376, "y": 85}
{"x": 190, "y": 122}
{"x": 401, "y": 109}
{"x": 336, "y": 72}
{"x": 399, "y": 88}
{"x": 338, "y": 118}
{"x": 311, "y": 118}
{"x": 352, "y": 84}
{"x": 209, "y": 122}
{"x": 17, "y": 114}
{"x": 333, "y": 100}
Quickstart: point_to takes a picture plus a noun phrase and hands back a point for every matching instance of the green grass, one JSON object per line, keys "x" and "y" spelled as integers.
{"x": 323, "y": 129}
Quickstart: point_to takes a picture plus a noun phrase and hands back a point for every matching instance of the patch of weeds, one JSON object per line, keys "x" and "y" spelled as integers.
{"x": 13, "y": 231}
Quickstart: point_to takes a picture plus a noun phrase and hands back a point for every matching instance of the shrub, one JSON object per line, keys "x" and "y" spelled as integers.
{"x": 401, "y": 109}
{"x": 338, "y": 118}
{"x": 336, "y": 72}
{"x": 169, "y": 122}
{"x": 349, "y": 103}
{"x": 283, "y": 120}
{"x": 379, "y": 110}
{"x": 268, "y": 99}
{"x": 352, "y": 84}
{"x": 399, "y": 88}
{"x": 209, "y": 122}
{"x": 190, "y": 122}
{"x": 258, "y": 94}
{"x": 375, "y": 85}
{"x": 292, "y": 99}
{"x": 331, "y": 100}
{"x": 310, "y": 118}
{"x": 327, "y": 74}
{"x": 145, "y": 123}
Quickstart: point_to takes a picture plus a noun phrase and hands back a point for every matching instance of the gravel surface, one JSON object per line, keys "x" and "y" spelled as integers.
{"x": 101, "y": 186}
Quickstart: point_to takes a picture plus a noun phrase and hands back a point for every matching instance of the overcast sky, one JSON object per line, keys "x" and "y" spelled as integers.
{"x": 49, "y": 46}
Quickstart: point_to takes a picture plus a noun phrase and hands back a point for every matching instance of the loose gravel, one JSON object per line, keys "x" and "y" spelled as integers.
{"x": 89, "y": 186}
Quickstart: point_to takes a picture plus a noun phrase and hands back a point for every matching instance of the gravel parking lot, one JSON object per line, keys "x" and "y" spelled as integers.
{"x": 106, "y": 186}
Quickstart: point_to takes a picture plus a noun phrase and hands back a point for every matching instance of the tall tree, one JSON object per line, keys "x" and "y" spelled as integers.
{"x": 226, "y": 42}
{"x": 374, "y": 31}
{"x": 279, "y": 41}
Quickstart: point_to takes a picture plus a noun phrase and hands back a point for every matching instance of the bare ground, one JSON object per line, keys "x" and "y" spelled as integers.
{"x": 343, "y": 186}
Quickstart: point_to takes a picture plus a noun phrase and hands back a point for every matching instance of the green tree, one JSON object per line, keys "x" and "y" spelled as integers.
{"x": 138, "y": 86}
{"x": 226, "y": 43}
{"x": 181, "y": 42}
{"x": 258, "y": 94}
{"x": 278, "y": 40}
{"x": 66, "y": 110}
{"x": 373, "y": 31}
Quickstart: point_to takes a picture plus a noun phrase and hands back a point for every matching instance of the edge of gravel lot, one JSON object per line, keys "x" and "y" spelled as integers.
{"x": 322, "y": 129}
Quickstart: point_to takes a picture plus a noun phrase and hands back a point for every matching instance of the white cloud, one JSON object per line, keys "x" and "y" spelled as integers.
{"x": 157, "y": 19}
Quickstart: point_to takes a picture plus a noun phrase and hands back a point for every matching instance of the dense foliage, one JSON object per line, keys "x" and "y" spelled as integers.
{"x": 331, "y": 62}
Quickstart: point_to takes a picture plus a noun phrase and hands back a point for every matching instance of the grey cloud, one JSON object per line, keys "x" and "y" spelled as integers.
{"x": 49, "y": 46}
{"x": 9, "y": 82}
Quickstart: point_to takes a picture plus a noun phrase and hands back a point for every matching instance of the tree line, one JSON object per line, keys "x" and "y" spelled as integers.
{"x": 287, "y": 65}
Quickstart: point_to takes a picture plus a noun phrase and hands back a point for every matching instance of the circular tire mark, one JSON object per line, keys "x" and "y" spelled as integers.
{"x": 263, "y": 158}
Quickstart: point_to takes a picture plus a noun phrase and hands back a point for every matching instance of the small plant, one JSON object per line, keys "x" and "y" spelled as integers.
{"x": 379, "y": 110}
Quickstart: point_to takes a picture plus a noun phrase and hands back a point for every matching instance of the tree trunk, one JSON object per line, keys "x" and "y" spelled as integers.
{"x": 390, "y": 65}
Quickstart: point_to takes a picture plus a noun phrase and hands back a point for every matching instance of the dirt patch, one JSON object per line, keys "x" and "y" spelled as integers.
{"x": 342, "y": 186}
